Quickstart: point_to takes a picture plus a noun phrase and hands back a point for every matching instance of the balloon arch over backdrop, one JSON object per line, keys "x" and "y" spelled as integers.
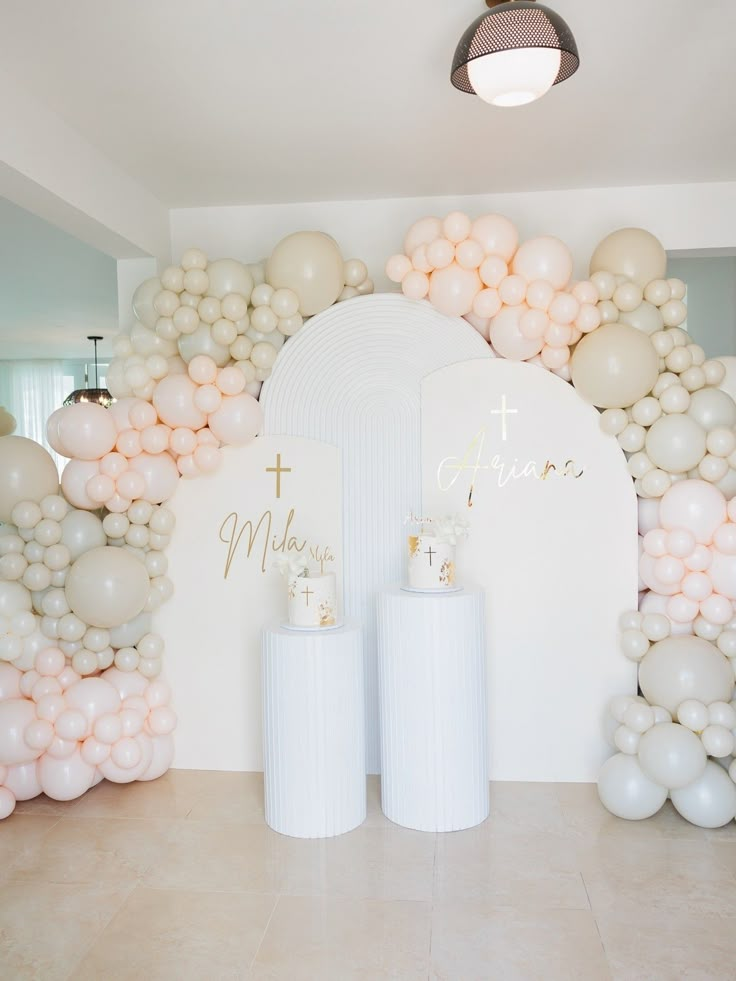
{"x": 83, "y": 566}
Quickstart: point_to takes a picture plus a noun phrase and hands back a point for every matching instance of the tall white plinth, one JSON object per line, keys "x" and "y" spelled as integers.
{"x": 313, "y": 730}
{"x": 432, "y": 691}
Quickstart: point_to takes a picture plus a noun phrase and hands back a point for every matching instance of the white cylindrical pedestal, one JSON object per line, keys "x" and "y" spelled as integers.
{"x": 432, "y": 690}
{"x": 313, "y": 730}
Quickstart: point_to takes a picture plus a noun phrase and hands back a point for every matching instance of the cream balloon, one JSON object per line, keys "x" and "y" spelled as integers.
{"x": 7, "y": 422}
{"x": 675, "y": 443}
{"x": 27, "y": 473}
{"x": 310, "y": 264}
{"x": 201, "y": 343}
{"x": 229, "y": 276}
{"x": 614, "y": 366}
{"x": 633, "y": 253}
{"x": 143, "y": 299}
{"x": 107, "y": 587}
{"x": 679, "y": 668}
{"x": 626, "y": 791}
{"x": 671, "y": 755}
{"x": 708, "y": 802}
{"x": 646, "y": 318}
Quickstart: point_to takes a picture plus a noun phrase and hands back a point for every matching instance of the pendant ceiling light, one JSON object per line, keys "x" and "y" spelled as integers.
{"x": 514, "y": 53}
{"x": 96, "y": 394}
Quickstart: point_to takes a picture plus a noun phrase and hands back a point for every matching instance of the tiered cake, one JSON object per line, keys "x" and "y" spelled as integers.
{"x": 431, "y": 562}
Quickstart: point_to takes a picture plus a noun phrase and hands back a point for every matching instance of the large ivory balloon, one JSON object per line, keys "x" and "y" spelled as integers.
{"x": 82, "y": 531}
{"x": 710, "y": 801}
{"x": 107, "y": 586}
{"x": 310, "y": 264}
{"x": 695, "y": 505}
{"x": 201, "y": 342}
{"x": 712, "y": 408}
{"x": 676, "y": 443}
{"x": 544, "y": 258}
{"x": 631, "y": 252}
{"x": 229, "y": 276}
{"x": 27, "y": 473}
{"x": 646, "y": 317}
{"x": 7, "y": 422}
{"x": 679, "y": 668}
{"x": 143, "y": 299}
{"x": 614, "y": 366}
{"x": 626, "y": 791}
{"x": 671, "y": 755}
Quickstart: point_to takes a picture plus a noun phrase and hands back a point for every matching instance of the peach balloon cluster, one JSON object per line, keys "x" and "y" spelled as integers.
{"x": 61, "y": 733}
{"x": 519, "y": 297}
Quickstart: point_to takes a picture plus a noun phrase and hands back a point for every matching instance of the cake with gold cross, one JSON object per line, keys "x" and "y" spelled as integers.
{"x": 312, "y": 598}
{"x": 431, "y": 553}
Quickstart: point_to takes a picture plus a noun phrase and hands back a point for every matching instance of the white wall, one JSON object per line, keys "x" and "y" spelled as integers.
{"x": 684, "y": 217}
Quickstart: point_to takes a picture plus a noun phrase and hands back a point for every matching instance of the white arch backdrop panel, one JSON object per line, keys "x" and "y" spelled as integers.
{"x": 226, "y": 588}
{"x": 352, "y": 378}
{"x": 558, "y": 556}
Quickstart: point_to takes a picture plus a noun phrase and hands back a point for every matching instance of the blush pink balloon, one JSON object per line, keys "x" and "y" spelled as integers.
{"x": 9, "y": 681}
{"x": 397, "y": 267}
{"x": 456, "y": 226}
{"x": 93, "y": 697}
{"x": 52, "y": 430}
{"x": 160, "y": 475}
{"x": 74, "y": 479}
{"x": 93, "y": 751}
{"x": 131, "y": 485}
{"x": 65, "y": 779}
{"x": 22, "y": 781}
{"x": 557, "y": 335}
{"x": 142, "y": 415}
{"x": 564, "y": 308}
{"x": 207, "y": 459}
{"x": 230, "y": 380}
{"x": 585, "y": 292}
{"x": 647, "y": 564}
{"x": 118, "y": 504}
{"x": 681, "y": 609}
{"x": 203, "y": 369}
{"x": 120, "y": 413}
{"x": 163, "y": 757}
{"x": 155, "y": 439}
{"x": 453, "y": 289}
{"x": 174, "y": 402}
{"x": 507, "y": 338}
{"x": 481, "y": 324}
{"x": 129, "y": 443}
{"x": 99, "y": 487}
{"x": 113, "y": 464}
{"x": 697, "y": 586}
{"x": 440, "y": 253}
{"x": 86, "y": 431}
{"x": 696, "y": 505}
{"x": 496, "y": 235}
{"x": 555, "y": 358}
{"x": 112, "y": 770}
{"x": 420, "y": 260}
{"x": 183, "y": 441}
{"x": 186, "y": 466}
{"x": 487, "y": 303}
{"x": 415, "y": 285}
{"x": 493, "y": 271}
{"x": 540, "y": 294}
{"x": 208, "y": 398}
{"x": 588, "y": 318}
{"x": 512, "y": 290}
{"x": 238, "y": 420}
{"x": 533, "y": 323}
{"x": 544, "y": 258}
{"x": 717, "y": 609}
{"x": 15, "y": 715}
{"x": 469, "y": 254}
{"x": 422, "y": 232}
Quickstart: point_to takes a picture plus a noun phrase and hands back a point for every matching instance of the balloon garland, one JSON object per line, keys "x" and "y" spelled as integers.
{"x": 619, "y": 339}
{"x": 82, "y": 570}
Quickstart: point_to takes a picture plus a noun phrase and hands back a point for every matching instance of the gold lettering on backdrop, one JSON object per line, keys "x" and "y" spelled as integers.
{"x": 278, "y": 470}
{"x": 231, "y": 533}
{"x": 471, "y": 462}
{"x": 262, "y": 540}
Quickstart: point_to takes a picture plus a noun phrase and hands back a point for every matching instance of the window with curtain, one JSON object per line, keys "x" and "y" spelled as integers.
{"x": 31, "y": 391}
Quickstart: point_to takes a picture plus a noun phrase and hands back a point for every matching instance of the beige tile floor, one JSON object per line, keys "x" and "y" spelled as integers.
{"x": 182, "y": 879}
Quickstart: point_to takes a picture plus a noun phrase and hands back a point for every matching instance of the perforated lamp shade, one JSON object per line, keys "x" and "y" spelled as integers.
{"x": 514, "y": 53}
{"x": 99, "y": 395}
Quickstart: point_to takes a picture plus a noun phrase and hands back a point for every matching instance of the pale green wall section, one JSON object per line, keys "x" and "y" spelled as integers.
{"x": 711, "y": 301}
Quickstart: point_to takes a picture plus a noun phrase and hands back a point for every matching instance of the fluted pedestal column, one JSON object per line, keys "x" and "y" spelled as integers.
{"x": 432, "y": 691}
{"x": 313, "y": 730}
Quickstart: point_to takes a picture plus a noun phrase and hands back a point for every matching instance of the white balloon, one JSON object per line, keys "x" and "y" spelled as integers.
{"x": 680, "y": 668}
{"x": 626, "y": 791}
{"x": 708, "y": 802}
{"x": 671, "y": 755}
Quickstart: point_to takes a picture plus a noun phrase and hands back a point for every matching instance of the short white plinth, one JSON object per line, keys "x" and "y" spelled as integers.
{"x": 432, "y": 690}
{"x": 314, "y": 730}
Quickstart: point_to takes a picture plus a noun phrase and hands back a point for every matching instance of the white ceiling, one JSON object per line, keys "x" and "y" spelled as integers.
{"x": 54, "y": 290}
{"x": 224, "y": 102}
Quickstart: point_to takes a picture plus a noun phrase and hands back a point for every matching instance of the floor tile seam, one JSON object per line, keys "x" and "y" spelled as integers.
{"x": 265, "y": 931}
{"x": 98, "y": 935}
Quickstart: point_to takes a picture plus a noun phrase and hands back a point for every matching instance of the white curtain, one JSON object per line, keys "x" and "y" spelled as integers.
{"x": 30, "y": 391}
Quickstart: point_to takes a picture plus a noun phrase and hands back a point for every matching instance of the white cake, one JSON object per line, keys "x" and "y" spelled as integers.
{"x": 312, "y": 600}
{"x": 431, "y": 562}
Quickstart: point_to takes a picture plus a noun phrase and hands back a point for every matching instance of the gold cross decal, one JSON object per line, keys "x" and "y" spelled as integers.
{"x": 278, "y": 470}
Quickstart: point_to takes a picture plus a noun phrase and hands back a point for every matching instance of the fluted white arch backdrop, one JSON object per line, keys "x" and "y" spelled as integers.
{"x": 352, "y": 377}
